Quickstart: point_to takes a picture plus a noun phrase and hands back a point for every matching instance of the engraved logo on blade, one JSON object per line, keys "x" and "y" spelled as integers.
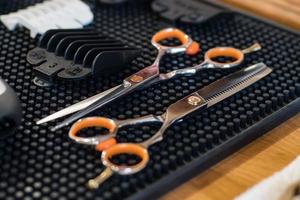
{"x": 2, "y": 88}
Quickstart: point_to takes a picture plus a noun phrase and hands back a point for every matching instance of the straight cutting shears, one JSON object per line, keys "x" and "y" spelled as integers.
{"x": 200, "y": 100}
{"x": 141, "y": 78}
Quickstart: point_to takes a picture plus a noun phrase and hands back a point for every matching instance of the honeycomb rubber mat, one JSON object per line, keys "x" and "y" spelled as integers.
{"x": 36, "y": 163}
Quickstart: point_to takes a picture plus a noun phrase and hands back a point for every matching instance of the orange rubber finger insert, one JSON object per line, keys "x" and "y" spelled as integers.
{"x": 126, "y": 148}
{"x": 170, "y": 33}
{"x": 106, "y": 144}
{"x": 193, "y": 49}
{"x": 92, "y": 122}
{"x": 226, "y": 52}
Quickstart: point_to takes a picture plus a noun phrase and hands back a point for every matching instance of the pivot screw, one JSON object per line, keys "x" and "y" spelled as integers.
{"x": 136, "y": 78}
{"x": 194, "y": 100}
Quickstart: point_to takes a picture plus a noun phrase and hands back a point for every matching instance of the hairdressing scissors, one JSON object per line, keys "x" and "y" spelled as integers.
{"x": 151, "y": 74}
{"x": 200, "y": 100}
{"x": 133, "y": 82}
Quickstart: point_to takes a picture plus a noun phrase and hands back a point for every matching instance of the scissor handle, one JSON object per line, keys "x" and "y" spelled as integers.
{"x": 237, "y": 54}
{"x": 188, "y": 46}
{"x": 125, "y": 148}
{"x": 105, "y": 141}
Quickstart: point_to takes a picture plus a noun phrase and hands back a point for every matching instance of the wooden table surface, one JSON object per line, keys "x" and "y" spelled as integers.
{"x": 265, "y": 155}
{"x": 282, "y": 11}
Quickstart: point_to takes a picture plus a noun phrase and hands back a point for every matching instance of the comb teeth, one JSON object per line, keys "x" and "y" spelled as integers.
{"x": 73, "y": 54}
{"x": 238, "y": 86}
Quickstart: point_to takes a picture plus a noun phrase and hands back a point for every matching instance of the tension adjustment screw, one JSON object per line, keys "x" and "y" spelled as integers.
{"x": 136, "y": 78}
{"x": 194, "y": 100}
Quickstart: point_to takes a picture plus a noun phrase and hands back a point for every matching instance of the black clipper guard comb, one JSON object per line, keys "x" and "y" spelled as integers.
{"x": 73, "y": 54}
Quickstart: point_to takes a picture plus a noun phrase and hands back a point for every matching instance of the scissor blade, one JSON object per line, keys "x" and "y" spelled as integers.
{"x": 119, "y": 91}
{"x": 229, "y": 85}
{"x": 76, "y": 107}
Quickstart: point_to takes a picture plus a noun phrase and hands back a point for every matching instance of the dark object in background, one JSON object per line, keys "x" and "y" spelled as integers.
{"x": 187, "y": 11}
{"x": 10, "y": 110}
{"x": 74, "y": 54}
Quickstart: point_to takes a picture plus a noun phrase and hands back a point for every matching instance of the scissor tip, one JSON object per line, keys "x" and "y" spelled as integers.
{"x": 59, "y": 126}
{"x": 55, "y": 128}
{"x": 39, "y": 122}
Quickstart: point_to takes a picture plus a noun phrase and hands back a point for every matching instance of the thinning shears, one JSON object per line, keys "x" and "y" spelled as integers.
{"x": 200, "y": 100}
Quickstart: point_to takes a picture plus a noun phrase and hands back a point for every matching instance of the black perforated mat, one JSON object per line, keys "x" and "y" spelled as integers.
{"x": 36, "y": 163}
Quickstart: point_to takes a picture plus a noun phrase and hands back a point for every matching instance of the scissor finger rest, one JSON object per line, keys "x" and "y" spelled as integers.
{"x": 94, "y": 122}
{"x": 125, "y": 148}
{"x": 187, "y": 43}
{"x": 237, "y": 54}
